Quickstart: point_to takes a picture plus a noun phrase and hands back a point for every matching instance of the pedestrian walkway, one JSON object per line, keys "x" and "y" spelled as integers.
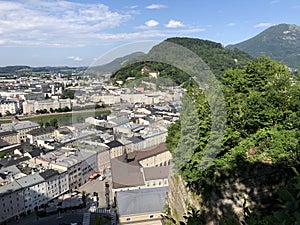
{"x": 86, "y": 219}
{"x": 113, "y": 219}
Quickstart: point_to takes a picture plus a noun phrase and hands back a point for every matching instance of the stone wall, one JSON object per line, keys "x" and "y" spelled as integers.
{"x": 179, "y": 197}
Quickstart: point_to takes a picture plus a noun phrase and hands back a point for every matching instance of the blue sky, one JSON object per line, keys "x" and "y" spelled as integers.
{"x": 76, "y": 32}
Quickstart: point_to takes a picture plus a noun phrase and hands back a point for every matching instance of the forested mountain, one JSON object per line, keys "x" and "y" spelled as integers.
{"x": 213, "y": 54}
{"x": 280, "y": 42}
{"x": 258, "y": 157}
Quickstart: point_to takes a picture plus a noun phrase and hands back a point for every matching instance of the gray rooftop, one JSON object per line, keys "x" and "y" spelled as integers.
{"x": 30, "y": 180}
{"x": 13, "y": 170}
{"x": 67, "y": 158}
{"x": 20, "y": 125}
{"x": 10, "y": 187}
{"x": 141, "y": 201}
{"x": 154, "y": 173}
{"x": 119, "y": 120}
{"x": 125, "y": 175}
{"x": 41, "y": 131}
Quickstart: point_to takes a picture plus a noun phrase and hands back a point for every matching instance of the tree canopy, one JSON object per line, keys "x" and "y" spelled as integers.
{"x": 262, "y": 133}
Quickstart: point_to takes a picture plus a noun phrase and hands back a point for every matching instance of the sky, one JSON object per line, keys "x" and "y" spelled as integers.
{"x": 78, "y": 32}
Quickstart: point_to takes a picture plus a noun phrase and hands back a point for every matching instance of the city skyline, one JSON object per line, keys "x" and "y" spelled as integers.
{"x": 76, "y": 33}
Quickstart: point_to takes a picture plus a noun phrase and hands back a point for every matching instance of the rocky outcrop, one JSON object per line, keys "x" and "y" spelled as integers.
{"x": 227, "y": 199}
{"x": 180, "y": 197}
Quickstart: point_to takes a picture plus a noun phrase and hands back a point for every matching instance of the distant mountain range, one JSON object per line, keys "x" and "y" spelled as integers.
{"x": 115, "y": 64}
{"x": 280, "y": 42}
{"x": 15, "y": 70}
{"x": 106, "y": 68}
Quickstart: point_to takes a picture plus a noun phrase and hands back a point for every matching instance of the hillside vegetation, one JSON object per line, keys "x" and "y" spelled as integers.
{"x": 258, "y": 152}
{"x": 280, "y": 42}
{"x": 213, "y": 54}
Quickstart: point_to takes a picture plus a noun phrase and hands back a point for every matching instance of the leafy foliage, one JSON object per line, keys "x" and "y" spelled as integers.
{"x": 261, "y": 140}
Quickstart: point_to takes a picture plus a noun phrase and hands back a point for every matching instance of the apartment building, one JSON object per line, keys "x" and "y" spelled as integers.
{"x": 11, "y": 193}
{"x": 79, "y": 164}
{"x": 10, "y": 106}
{"x": 56, "y": 183}
{"x": 34, "y": 192}
{"x": 11, "y": 201}
{"x": 22, "y": 127}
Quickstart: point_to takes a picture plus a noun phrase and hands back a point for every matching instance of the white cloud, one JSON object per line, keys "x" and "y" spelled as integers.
{"x": 274, "y": 2}
{"x": 231, "y": 24}
{"x": 69, "y": 24}
{"x": 2, "y": 42}
{"x": 174, "y": 24}
{"x": 151, "y": 23}
{"x": 148, "y": 34}
{"x": 263, "y": 25}
{"x": 134, "y": 6}
{"x": 55, "y": 23}
{"x": 156, "y": 6}
{"x": 75, "y": 58}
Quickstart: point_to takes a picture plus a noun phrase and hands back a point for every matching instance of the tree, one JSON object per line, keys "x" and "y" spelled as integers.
{"x": 193, "y": 217}
{"x": 8, "y": 113}
{"x": 67, "y": 94}
{"x": 262, "y": 133}
{"x": 53, "y": 122}
{"x": 41, "y": 124}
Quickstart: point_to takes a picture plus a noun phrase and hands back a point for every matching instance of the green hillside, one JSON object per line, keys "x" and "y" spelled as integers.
{"x": 213, "y": 54}
{"x": 280, "y": 42}
{"x": 256, "y": 155}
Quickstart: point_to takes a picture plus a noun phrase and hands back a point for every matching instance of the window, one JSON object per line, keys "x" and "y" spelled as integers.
{"x": 151, "y": 216}
{"x": 128, "y": 219}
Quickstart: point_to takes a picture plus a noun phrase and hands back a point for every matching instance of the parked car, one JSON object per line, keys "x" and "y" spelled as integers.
{"x": 102, "y": 177}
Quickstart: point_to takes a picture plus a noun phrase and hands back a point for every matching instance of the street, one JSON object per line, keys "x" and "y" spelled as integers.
{"x": 99, "y": 187}
{"x": 72, "y": 216}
